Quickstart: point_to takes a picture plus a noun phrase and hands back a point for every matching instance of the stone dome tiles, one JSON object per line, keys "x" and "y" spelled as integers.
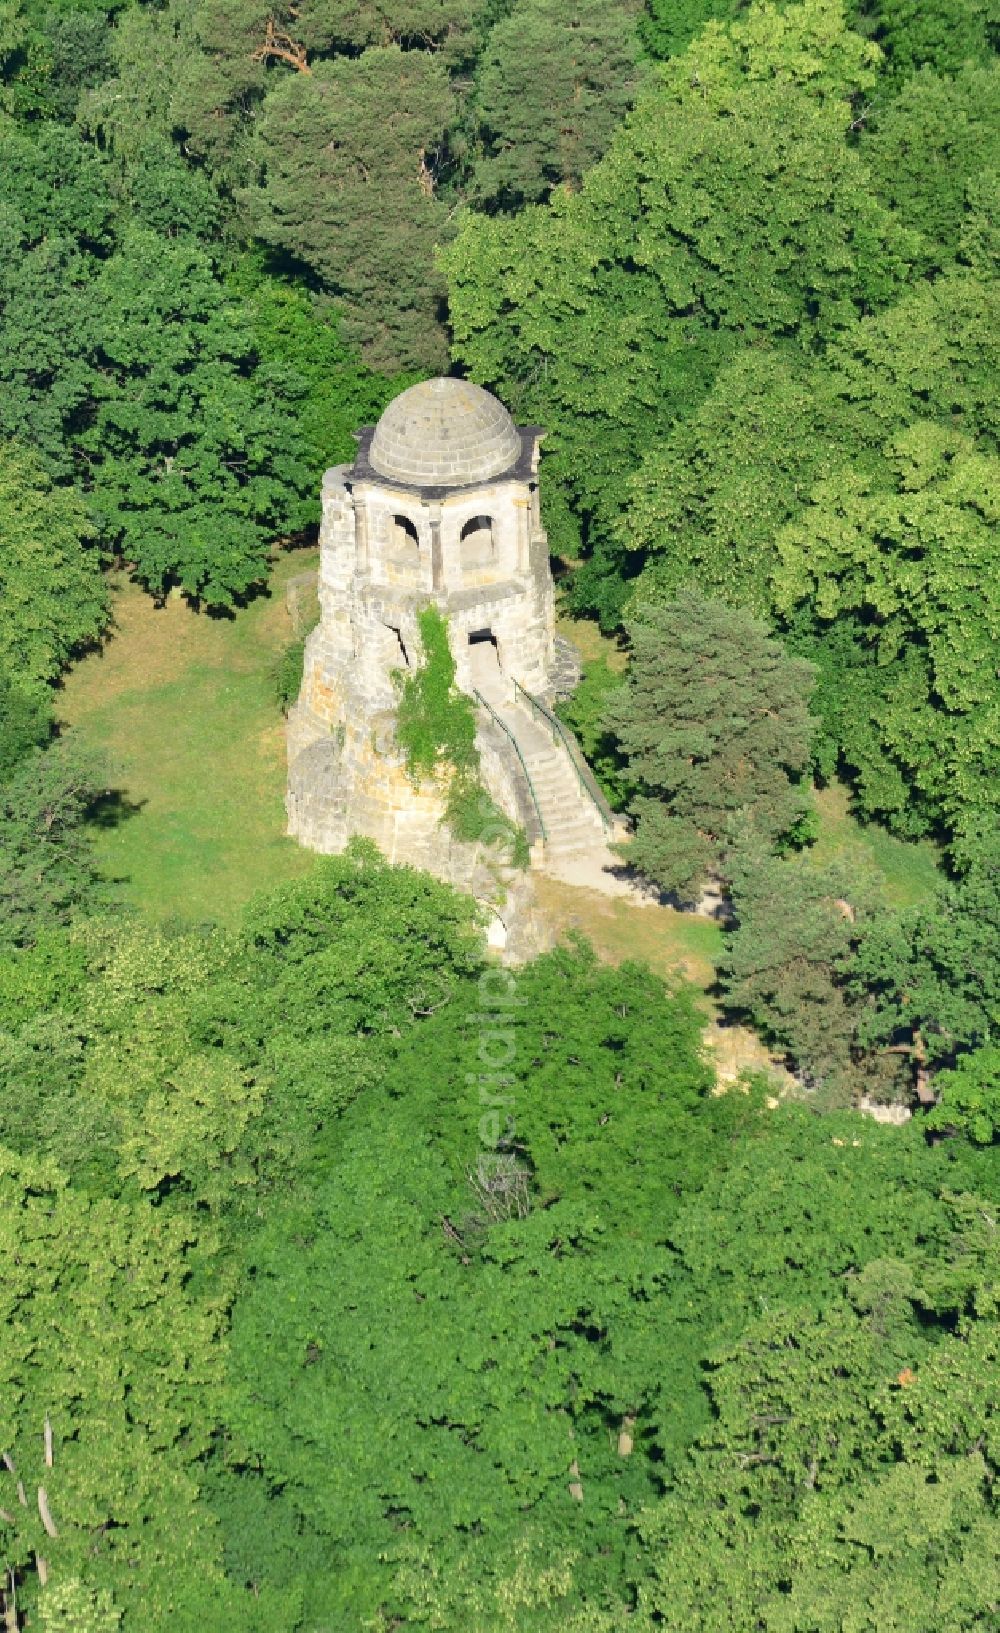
{"x": 444, "y": 433}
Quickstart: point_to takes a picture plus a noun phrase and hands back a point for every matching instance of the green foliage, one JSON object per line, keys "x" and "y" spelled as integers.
{"x": 436, "y": 728}
{"x": 704, "y": 504}
{"x": 339, "y": 1262}
{"x": 938, "y": 135}
{"x": 47, "y": 868}
{"x": 927, "y": 623}
{"x": 25, "y": 723}
{"x": 931, "y": 356}
{"x": 335, "y": 393}
{"x": 669, "y": 26}
{"x": 714, "y": 440}
{"x": 52, "y": 599}
{"x": 196, "y": 470}
{"x": 475, "y": 817}
{"x": 194, "y": 77}
{"x": 106, "y": 1342}
{"x": 69, "y": 1607}
{"x": 865, "y": 1000}
{"x": 932, "y": 974}
{"x": 714, "y": 722}
{"x": 714, "y": 503}
{"x": 315, "y": 166}
{"x": 332, "y": 970}
{"x": 164, "y": 1116}
{"x": 435, "y": 722}
{"x": 43, "y": 976}
{"x": 728, "y": 210}
{"x": 800, "y": 1266}
{"x": 421, "y": 938}
{"x": 787, "y": 964}
{"x": 414, "y": 1378}
{"x": 196, "y": 1063}
{"x": 816, "y": 1477}
{"x": 969, "y": 1097}
{"x": 944, "y": 36}
{"x": 288, "y": 674}
{"x": 450, "y": 28}
{"x": 533, "y": 1592}
{"x": 147, "y": 1069}
{"x": 65, "y": 50}
{"x": 584, "y": 712}
{"x": 980, "y": 239}
{"x": 13, "y": 30}
{"x": 343, "y": 192}
{"x": 551, "y": 85}
{"x": 544, "y": 1320}
{"x": 137, "y": 372}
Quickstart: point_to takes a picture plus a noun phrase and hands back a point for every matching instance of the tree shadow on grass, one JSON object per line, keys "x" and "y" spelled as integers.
{"x": 113, "y": 808}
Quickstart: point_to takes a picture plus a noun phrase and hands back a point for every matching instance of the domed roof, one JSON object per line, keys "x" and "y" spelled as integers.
{"x": 444, "y": 433}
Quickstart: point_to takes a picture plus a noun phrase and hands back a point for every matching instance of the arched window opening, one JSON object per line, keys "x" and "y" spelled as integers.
{"x": 404, "y": 541}
{"x": 478, "y": 548}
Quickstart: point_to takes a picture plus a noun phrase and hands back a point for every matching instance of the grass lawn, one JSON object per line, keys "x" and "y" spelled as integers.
{"x": 585, "y": 633}
{"x": 669, "y": 942}
{"x": 910, "y": 868}
{"x": 183, "y": 704}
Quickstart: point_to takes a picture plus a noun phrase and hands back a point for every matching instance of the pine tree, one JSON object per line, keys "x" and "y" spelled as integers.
{"x": 551, "y": 85}
{"x": 714, "y": 720}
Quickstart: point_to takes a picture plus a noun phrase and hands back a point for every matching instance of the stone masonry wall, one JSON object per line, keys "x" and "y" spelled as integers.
{"x": 346, "y": 772}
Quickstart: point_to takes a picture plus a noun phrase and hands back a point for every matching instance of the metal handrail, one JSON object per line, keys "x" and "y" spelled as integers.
{"x": 517, "y": 750}
{"x": 585, "y": 776}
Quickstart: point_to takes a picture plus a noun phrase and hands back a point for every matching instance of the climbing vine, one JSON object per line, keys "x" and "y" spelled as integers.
{"x": 436, "y": 728}
{"x": 436, "y": 723}
{"x": 287, "y": 673}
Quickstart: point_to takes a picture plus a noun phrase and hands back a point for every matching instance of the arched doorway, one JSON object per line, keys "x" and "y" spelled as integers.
{"x": 484, "y": 660}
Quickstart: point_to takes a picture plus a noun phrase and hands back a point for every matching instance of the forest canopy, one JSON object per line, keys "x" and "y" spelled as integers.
{"x": 315, "y": 1316}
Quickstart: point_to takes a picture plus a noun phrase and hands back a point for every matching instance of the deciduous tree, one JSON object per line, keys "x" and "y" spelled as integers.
{"x": 728, "y": 207}
{"x": 968, "y": 1097}
{"x": 926, "y": 146}
{"x": 911, "y": 558}
{"x": 932, "y": 973}
{"x": 107, "y": 1345}
{"x": 53, "y": 600}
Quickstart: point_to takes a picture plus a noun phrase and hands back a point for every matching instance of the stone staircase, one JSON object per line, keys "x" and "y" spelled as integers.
{"x": 577, "y": 844}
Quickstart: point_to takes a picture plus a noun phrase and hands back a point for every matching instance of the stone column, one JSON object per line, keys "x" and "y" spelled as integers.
{"x": 360, "y": 498}
{"x": 437, "y": 557}
{"x": 523, "y": 525}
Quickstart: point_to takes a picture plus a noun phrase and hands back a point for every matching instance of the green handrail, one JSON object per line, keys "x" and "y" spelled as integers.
{"x": 585, "y": 776}
{"x": 517, "y": 750}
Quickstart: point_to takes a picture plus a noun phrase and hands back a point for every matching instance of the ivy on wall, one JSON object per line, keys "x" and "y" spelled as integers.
{"x": 436, "y": 728}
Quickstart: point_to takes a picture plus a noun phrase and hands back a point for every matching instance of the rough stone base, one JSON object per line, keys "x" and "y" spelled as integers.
{"x": 353, "y": 780}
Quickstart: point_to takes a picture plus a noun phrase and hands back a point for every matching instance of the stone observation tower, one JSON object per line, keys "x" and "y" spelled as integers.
{"x": 440, "y": 507}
